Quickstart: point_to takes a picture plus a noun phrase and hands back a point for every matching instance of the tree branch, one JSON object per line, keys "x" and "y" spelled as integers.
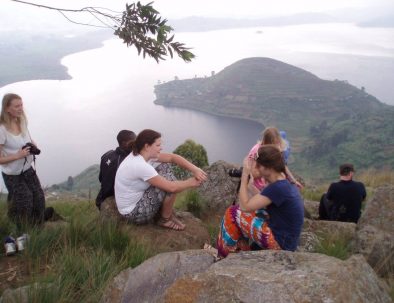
{"x": 139, "y": 26}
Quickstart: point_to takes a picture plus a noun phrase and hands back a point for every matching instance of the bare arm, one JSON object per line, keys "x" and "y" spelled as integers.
{"x": 19, "y": 155}
{"x": 173, "y": 186}
{"x": 292, "y": 179}
{"x": 255, "y": 202}
{"x": 198, "y": 173}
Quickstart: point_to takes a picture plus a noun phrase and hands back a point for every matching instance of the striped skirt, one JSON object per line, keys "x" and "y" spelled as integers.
{"x": 238, "y": 228}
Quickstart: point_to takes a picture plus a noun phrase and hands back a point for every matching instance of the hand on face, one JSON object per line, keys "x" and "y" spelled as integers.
{"x": 247, "y": 165}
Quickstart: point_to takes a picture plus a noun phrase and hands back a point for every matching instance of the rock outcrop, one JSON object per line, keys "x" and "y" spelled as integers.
{"x": 312, "y": 208}
{"x": 109, "y": 210}
{"x": 375, "y": 232}
{"x": 149, "y": 281}
{"x": 262, "y": 276}
{"x": 321, "y": 227}
{"x": 163, "y": 240}
{"x": 220, "y": 189}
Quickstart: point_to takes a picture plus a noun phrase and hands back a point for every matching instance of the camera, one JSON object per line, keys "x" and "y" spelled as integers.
{"x": 235, "y": 172}
{"x": 33, "y": 149}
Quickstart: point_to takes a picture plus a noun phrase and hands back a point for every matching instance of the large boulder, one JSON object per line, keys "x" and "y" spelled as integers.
{"x": 312, "y": 209}
{"x": 220, "y": 190}
{"x": 375, "y": 232}
{"x": 109, "y": 210}
{"x": 379, "y": 211}
{"x": 163, "y": 239}
{"x": 321, "y": 227}
{"x": 280, "y": 276}
{"x": 149, "y": 281}
{"x": 309, "y": 242}
{"x": 158, "y": 238}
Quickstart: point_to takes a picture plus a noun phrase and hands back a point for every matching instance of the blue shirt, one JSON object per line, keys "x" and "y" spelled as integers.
{"x": 286, "y": 213}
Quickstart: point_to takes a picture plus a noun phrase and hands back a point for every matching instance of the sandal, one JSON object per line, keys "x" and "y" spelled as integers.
{"x": 170, "y": 224}
{"x": 177, "y": 221}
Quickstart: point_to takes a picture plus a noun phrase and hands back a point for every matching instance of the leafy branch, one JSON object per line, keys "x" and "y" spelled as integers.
{"x": 139, "y": 25}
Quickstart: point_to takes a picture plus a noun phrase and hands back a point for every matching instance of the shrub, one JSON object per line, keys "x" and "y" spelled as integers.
{"x": 193, "y": 152}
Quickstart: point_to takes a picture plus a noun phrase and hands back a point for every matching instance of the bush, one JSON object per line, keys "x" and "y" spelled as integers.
{"x": 193, "y": 152}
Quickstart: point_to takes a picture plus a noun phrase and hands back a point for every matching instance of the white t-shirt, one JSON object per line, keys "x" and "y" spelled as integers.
{"x": 131, "y": 182}
{"x": 11, "y": 145}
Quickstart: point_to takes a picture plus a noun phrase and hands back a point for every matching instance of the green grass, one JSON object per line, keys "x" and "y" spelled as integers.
{"x": 334, "y": 245}
{"x": 191, "y": 201}
{"x": 314, "y": 193}
{"x": 74, "y": 261}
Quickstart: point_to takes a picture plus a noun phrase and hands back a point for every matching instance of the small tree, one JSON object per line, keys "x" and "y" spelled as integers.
{"x": 193, "y": 152}
{"x": 70, "y": 183}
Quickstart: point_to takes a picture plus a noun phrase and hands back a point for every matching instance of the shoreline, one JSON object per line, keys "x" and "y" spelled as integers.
{"x": 41, "y": 59}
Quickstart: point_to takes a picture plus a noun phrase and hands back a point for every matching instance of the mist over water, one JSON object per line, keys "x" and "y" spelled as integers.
{"x": 75, "y": 121}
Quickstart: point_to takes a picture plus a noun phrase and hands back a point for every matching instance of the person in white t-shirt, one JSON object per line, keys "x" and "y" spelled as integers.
{"x": 145, "y": 184}
{"x": 25, "y": 195}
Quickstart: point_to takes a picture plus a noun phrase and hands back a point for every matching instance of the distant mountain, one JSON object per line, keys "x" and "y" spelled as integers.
{"x": 27, "y": 55}
{"x": 275, "y": 93}
{"x": 198, "y": 24}
{"x": 80, "y": 184}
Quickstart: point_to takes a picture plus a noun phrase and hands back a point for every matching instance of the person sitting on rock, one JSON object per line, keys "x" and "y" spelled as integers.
{"x": 281, "y": 199}
{"x": 342, "y": 202}
{"x": 145, "y": 183}
{"x": 110, "y": 162}
{"x": 271, "y": 135}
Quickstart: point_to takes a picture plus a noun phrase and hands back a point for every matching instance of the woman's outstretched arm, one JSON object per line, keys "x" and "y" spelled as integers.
{"x": 197, "y": 172}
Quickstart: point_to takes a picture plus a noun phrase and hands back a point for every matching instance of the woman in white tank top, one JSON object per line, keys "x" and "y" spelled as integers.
{"x": 25, "y": 195}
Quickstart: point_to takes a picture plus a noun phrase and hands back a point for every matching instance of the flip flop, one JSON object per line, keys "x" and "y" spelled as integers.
{"x": 170, "y": 224}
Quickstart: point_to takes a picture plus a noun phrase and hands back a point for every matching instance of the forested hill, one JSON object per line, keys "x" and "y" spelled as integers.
{"x": 314, "y": 112}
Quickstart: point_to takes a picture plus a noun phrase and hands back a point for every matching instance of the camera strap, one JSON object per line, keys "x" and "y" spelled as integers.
{"x": 24, "y": 162}
{"x": 34, "y": 156}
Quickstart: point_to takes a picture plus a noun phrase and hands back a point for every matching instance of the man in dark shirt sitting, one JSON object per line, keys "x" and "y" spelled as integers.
{"x": 343, "y": 199}
{"x": 110, "y": 162}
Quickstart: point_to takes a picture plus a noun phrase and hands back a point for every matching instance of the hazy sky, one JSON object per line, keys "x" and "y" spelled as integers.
{"x": 221, "y": 8}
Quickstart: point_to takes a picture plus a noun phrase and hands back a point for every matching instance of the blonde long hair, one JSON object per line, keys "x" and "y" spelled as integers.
{"x": 271, "y": 135}
{"x": 5, "y": 118}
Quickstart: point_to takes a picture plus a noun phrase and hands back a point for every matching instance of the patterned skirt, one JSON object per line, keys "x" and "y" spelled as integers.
{"x": 149, "y": 205}
{"x": 238, "y": 228}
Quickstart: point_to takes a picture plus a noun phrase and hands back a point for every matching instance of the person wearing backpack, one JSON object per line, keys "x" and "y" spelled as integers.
{"x": 342, "y": 202}
{"x": 110, "y": 162}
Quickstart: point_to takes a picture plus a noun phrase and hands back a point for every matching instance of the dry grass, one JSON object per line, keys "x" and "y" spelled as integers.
{"x": 374, "y": 178}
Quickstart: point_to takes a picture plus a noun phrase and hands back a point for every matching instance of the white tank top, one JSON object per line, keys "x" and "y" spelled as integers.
{"x": 11, "y": 144}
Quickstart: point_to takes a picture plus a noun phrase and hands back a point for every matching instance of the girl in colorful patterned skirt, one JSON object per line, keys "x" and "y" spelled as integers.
{"x": 245, "y": 223}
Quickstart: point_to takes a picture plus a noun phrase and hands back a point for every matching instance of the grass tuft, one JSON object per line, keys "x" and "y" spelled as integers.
{"x": 334, "y": 245}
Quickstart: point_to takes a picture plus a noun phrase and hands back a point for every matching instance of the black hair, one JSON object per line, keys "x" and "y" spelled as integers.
{"x": 125, "y": 135}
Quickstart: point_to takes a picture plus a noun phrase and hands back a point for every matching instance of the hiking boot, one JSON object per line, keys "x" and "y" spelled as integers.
{"x": 9, "y": 246}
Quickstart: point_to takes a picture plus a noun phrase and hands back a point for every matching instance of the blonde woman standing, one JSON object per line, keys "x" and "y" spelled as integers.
{"x": 26, "y": 201}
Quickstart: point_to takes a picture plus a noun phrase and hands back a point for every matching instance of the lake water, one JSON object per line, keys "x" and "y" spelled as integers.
{"x": 75, "y": 121}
